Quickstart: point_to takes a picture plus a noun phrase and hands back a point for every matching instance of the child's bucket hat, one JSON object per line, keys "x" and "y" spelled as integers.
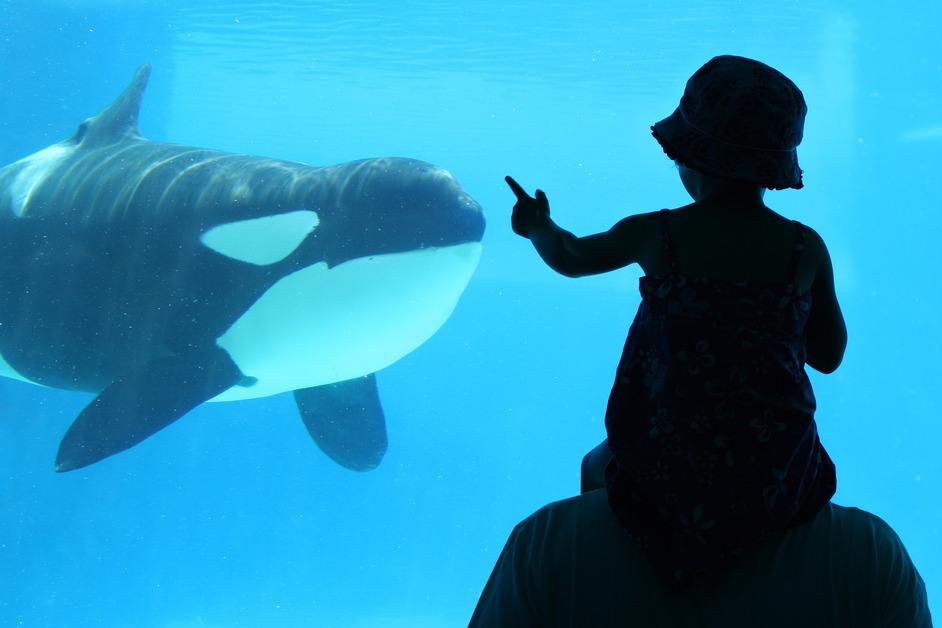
{"x": 738, "y": 119}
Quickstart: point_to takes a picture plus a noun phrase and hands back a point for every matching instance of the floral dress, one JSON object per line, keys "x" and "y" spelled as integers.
{"x": 711, "y": 420}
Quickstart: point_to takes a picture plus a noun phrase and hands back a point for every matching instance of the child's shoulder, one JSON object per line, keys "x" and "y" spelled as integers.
{"x": 697, "y": 228}
{"x": 814, "y": 250}
{"x": 813, "y": 239}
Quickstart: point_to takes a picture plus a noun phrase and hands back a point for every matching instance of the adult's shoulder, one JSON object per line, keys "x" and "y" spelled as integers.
{"x": 571, "y": 515}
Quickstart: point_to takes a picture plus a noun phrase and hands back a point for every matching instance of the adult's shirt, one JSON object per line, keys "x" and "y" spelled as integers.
{"x": 572, "y": 564}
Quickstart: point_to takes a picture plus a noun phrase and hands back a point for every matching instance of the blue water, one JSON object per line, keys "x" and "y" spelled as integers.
{"x": 232, "y": 517}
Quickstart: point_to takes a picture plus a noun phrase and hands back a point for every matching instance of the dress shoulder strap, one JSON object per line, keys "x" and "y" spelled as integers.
{"x": 796, "y": 252}
{"x": 666, "y": 246}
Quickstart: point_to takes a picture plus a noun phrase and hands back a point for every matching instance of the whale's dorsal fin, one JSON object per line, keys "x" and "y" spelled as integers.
{"x": 118, "y": 120}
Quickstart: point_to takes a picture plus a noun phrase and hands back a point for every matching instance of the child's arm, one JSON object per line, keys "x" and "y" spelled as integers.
{"x": 564, "y": 252}
{"x": 825, "y": 331}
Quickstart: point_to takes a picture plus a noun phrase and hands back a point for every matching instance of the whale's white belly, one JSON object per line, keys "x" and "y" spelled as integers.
{"x": 318, "y": 325}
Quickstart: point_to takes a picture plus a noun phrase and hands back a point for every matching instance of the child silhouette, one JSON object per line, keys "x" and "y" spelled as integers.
{"x": 710, "y": 420}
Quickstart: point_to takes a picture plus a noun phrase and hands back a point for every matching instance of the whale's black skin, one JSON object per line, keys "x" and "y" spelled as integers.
{"x": 107, "y": 286}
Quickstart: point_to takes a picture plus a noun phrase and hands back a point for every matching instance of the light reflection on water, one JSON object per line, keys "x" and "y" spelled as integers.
{"x": 621, "y": 46}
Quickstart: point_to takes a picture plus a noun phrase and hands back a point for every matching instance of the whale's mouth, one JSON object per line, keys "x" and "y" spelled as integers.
{"x": 318, "y": 326}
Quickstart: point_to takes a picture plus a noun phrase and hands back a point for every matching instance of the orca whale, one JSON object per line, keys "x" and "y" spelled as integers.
{"x": 160, "y": 276}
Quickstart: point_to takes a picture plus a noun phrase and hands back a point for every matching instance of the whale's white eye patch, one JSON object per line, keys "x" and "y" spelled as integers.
{"x": 262, "y": 240}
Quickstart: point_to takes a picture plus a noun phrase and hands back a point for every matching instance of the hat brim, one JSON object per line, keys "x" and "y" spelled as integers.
{"x": 774, "y": 169}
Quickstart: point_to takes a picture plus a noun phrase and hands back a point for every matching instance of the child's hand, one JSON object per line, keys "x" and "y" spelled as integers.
{"x": 528, "y": 211}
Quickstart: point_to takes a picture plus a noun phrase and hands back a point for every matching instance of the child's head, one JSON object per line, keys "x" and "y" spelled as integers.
{"x": 738, "y": 119}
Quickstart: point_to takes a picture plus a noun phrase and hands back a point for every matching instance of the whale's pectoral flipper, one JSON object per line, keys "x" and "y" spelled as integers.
{"x": 144, "y": 402}
{"x": 346, "y": 421}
